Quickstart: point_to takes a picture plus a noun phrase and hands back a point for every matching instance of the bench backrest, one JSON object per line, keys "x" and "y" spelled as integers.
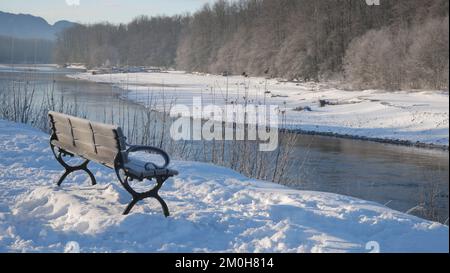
{"x": 91, "y": 140}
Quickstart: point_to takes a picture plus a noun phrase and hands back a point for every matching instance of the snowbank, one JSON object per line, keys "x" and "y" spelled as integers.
{"x": 407, "y": 116}
{"x": 213, "y": 209}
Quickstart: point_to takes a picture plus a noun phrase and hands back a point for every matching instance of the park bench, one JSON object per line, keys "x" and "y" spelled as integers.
{"x": 106, "y": 145}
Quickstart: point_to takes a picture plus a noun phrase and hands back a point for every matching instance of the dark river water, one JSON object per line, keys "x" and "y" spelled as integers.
{"x": 398, "y": 176}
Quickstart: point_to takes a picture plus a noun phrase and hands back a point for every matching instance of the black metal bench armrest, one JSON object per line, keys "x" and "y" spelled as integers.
{"x": 138, "y": 148}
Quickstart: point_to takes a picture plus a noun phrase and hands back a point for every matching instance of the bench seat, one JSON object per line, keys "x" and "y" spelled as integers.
{"x": 106, "y": 161}
{"x": 140, "y": 169}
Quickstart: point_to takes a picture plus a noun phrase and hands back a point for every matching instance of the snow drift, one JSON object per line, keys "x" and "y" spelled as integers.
{"x": 213, "y": 209}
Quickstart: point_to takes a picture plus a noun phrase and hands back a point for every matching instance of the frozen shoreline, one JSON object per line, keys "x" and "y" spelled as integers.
{"x": 417, "y": 118}
{"x": 213, "y": 209}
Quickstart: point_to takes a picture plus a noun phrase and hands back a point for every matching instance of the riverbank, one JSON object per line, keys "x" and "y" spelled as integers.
{"x": 213, "y": 209}
{"x": 414, "y": 118}
{"x": 399, "y": 142}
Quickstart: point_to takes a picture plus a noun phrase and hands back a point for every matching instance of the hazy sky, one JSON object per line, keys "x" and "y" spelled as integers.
{"x": 90, "y": 11}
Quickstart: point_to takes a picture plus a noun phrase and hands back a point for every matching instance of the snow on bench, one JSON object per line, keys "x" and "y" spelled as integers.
{"x": 106, "y": 145}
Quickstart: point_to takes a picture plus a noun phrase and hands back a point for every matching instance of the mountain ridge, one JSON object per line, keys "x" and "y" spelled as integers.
{"x": 27, "y": 26}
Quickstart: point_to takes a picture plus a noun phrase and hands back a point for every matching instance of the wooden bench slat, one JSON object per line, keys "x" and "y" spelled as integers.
{"x": 101, "y": 140}
{"x": 86, "y": 147}
{"x": 63, "y": 128}
{"x": 81, "y": 124}
{"x": 100, "y": 159}
{"x": 66, "y": 139}
{"x": 82, "y": 133}
{"x": 106, "y": 152}
{"x": 104, "y": 129}
{"x": 61, "y": 119}
{"x": 67, "y": 147}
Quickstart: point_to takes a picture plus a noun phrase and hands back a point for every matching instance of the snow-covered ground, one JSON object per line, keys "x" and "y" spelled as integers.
{"x": 76, "y": 66}
{"x": 408, "y": 116}
{"x": 213, "y": 209}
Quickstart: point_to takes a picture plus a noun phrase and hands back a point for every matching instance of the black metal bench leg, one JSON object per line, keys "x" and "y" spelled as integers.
{"x": 163, "y": 205}
{"x": 63, "y": 177}
{"x": 82, "y": 167}
{"x": 130, "y": 206}
{"x": 153, "y": 193}
{"x": 70, "y": 169}
{"x": 91, "y": 175}
{"x": 133, "y": 202}
{"x": 159, "y": 183}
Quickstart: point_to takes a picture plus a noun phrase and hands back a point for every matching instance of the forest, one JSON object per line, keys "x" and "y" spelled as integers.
{"x": 16, "y": 50}
{"x": 399, "y": 44}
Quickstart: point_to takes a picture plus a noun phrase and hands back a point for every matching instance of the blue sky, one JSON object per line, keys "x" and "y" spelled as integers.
{"x": 91, "y": 11}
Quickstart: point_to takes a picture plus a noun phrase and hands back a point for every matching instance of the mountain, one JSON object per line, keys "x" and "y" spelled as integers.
{"x": 29, "y": 27}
